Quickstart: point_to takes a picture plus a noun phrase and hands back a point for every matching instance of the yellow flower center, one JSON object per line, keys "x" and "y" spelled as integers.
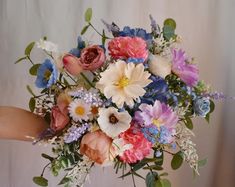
{"x": 47, "y": 74}
{"x": 80, "y": 110}
{"x": 123, "y": 82}
{"x": 157, "y": 123}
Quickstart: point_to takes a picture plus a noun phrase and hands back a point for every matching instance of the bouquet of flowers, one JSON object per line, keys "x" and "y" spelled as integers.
{"x": 126, "y": 101}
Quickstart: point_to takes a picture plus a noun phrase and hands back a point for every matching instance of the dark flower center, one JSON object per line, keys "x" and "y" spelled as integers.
{"x": 92, "y": 54}
{"x": 113, "y": 119}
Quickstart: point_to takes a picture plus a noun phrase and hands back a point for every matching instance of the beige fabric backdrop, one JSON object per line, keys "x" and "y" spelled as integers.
{"x": 207, "y": 27}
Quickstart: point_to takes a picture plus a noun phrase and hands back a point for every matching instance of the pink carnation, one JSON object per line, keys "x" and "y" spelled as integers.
{"x": 141, "y": 146}
{"x": 128, "y": 47}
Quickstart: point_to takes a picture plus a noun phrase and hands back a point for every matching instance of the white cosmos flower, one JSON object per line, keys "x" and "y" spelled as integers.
{"x": 79, "y": 110}
{"x": 113, "y": 122}
{"x": 47, "y": 45}
{"x": 124, "y": 82}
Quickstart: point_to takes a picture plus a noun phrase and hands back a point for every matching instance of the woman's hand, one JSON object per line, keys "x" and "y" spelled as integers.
{"x": 19, "y": 124}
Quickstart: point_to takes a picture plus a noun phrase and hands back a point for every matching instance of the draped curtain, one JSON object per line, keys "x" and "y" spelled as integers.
{"x": 207, "y": 29}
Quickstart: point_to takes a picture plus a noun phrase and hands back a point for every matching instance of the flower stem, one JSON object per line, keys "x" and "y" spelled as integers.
{"x": 30, "y": 60}
{"x": 133, "y": 179}
{"x": 45, "y": 168}
{"x": 87, "y": 80}
{"x": 98, "y": 32}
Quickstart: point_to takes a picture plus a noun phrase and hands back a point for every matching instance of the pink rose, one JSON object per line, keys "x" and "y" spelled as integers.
{"x": 71, "y": 64}
{"x": 92, "y": 58}
{"x": 58, "y": 119}
{"x": 97, "y": 146}
{"x": 128, "y": 47}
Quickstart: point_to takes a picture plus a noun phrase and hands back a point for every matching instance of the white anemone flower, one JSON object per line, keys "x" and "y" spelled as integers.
{"x": 47, "y": 45}
{"x": 124, "y": 82}
{"x": 79, "y": 110}
{"x": 113, "y": 122}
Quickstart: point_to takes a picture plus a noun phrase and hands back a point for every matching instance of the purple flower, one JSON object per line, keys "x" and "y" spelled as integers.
{"x": 158, "y": 114}
{"x": 74, "y": 133}
{"x": 188, "y": 73}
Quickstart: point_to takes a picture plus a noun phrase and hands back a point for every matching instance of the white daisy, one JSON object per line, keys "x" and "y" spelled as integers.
{"x": 113, "y": 122}
{"x": 124, "y": 82}
{"x": 79, "y": 110}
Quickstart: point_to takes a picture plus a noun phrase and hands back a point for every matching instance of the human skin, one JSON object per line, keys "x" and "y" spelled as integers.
{"x": 20, "y": 124}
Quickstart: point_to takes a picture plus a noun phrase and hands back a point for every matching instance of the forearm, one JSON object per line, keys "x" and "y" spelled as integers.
{"x": 19, "y": 124}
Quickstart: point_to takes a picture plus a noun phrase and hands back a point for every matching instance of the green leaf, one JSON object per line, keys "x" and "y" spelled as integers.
{"x": 32, "y": 104}
{"x": 138, "y": 166}
{"x": 153, "y": 167}
{"x": 151, "y": 179}
{"x": 165, "y": 183}
{"x": 29, "y": 48}
{"x": 168, "y": 32}
{"x": 103, "y": 38}
{"x": 188, "y": 123}
{"x": 158, "y": 184}
{"x": 64, "y": 180}
{"x": 34, "y": 69}
{"x": 125, "y": 175}
{"x": 202, "y": 163}
{"x": 41, "y": 181}
{"x": 170, "y": 22}
{"x": 88, "y": 15}
{"x": 30, "y": 90}
{"x": 21, "y": 59}
{"x": 47, "y": 157}
{"x": 208, "y": 118}
{"x": 212, "y": 106}
{"x": 163, "y": 174}
{"x": 177, "y": 161}
{"x": 159, "y": 159}
{"x": 84, "y": 29}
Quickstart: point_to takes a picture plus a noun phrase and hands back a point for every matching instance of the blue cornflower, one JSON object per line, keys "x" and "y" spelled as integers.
{"x": 139, "y": 32}
{"x": 156, "y": 90}
{"x": 74, "y": 133}
{"x": 46, "y": 74}
{"x": 201, "y": 106}
{"x": 80, "y": 45}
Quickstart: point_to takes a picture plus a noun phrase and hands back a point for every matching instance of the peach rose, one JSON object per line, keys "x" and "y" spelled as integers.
{"x": 92, "y": 58}
{"x": 58, "y": 119}
{"x": 71, "y": 64}
{"x": 97, "y": 146}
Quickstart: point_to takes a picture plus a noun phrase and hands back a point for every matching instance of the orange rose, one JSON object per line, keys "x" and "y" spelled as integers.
{"x": 97, "y": 146}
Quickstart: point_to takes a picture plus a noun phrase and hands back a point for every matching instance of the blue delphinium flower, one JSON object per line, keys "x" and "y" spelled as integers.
{"x": 156, "y": 90}
{"x": 165, "y": 135}
{"x": 150, "y": 133}
{"x": 80, "y": 45}
{"x": 74, "y": 133}
{"x": 201, "y": 106}
{"x": 135, "y": 60}
{"x": 139, "y": 32}
{"x": 46, "y": 74}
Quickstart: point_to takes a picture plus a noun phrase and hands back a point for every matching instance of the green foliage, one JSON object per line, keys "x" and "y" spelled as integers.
{"x": 170, "y": 22}
{"x": 177, "y": 161}
{"x": 65, "y": 180}
{"x": 165, "y": 183}
{"x": 88, "y": 15}
{"x": 103, "y": 38}
{"x": 32, "y": 104}
{"x": 169, "y": 29}
{"x": 188, "y": 122}
{"x": 29, "y": 48}
{"x": 34, "y": 69}
{"x": 47, "y": 157}
{"x": 151, "y": 179}
{"x": 41, "y": 181}
{"x": 202, "y": 163}
{"x": 21, "y": 59}
{"x": 84, "y": 29}
{"x": 212, "y": 108}
{"x": 30, "y": 90}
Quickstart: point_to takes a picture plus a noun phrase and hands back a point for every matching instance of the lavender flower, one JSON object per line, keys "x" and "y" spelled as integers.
{"x": 74, "y": 133}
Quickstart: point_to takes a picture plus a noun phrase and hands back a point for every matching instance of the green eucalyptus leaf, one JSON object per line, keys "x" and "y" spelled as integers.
{"x": 177, "y": 161}
{"x": 41, "y": 181}
{"x": 32, "y": 104}
{"x": 84, "y": 29}
{"x": 158, "y": 183}
{"x": 21, "y": 59}
{"x": 34, "y": 69}
{"x": 64, "y": 181}
{"x": 151, "y": 179}
{"x": 153, "y": 167}
{"x": 212, "y": 106}
{"x": 170, "y": 22}
{"x": 165, "y": 183}
{"x": 163, "y": 174}
{"x": 168, "y": 32}
{"x": 30, "y": 90}
{"x": 208, "y": 118}
{"x": 188, "y": 123}
{"x": 139, "y": 165}
{"x": 47, "y": 157}
{"x": 202, "y": 163}
{"x": 88, "y": 15}
{"x": 29, "y": 48}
